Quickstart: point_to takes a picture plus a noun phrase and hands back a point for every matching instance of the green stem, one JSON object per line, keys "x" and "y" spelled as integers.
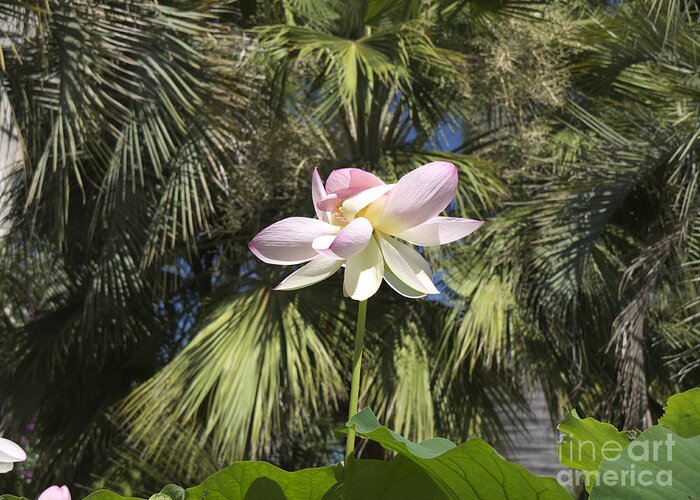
{"x": 356, "y": 366}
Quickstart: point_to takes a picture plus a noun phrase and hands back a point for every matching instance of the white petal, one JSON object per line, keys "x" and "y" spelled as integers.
{"x": 439, "y": 230}
{"x": 418, "y": 197}
{"x": 322, "y": 243}
{"x": 408, "y": 265}
{"x": 356, "y": 203}
{"x": 400, "y": 287}
{"x": 11, "y": 451}
{"x": 6, "y": 467}
{"x": 363, "y": 272}
{"x": 317, "y": 270}
{"x": 289, "y": 241}
{"x": 318, "y": 192}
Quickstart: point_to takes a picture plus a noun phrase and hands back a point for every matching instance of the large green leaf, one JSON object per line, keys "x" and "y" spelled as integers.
{"x": 682, "y": 413}
{"x": 169, "y": 492}
{"x": 587, "y": 442}
{"x": 366, "y": 424}
{"x": 387, "y": 480}
{"x": 658, "y": 464}
{"x": 470, "y": 470}
{"x": 108, "y": 495}
{"x": 263, "y": 481}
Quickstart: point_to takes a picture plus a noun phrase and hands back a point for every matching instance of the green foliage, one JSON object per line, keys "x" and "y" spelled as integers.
{"x": 682, "y": 413}
{"x": 125, "y": 113}
{"x": 664, "y": 465}
{"x": 655, "y": 463}
{"x": 433, "y": 469}
{"x": 169, "y": 492}
{"x": 470, "y": 470}
{"x": 587, "y": 442}
{"x": 253, "y": 349}
{"x": 366, "y": 425}
{"x": 388, "y": 479}
{"x": 259, "y": 480}
{"x": 110, "y": 495}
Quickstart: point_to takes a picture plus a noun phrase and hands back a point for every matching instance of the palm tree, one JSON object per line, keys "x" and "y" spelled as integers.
{"x": 128, "y": 115}
{"x": 593, "y": 265}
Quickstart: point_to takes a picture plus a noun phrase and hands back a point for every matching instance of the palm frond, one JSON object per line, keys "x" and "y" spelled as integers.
{"x": 256, "y": 365}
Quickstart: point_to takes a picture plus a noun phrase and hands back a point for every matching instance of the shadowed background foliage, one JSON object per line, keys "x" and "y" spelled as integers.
{"x": 143, "y": 340}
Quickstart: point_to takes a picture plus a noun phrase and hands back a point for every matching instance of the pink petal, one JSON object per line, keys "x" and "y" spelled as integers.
{"x": 55, "y": 493}
{"x": 352, "y": 239}
{"x": 439, "y": 230}
{"x": 348, "y": 242}
{"x": 11, "y": 452}
{"x": 418, "y": 197}
{"x": 347, "y": 181}
{"x": 318, "y": 192}
{"x": 329, "y": 202}
{"x": 289, "y": 241}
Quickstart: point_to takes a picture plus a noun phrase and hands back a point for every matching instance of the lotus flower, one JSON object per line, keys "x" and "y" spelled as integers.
{"x": 55, "y": 493}
{"x": 361, "y": 222}
{"x": 10, "y": 452}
